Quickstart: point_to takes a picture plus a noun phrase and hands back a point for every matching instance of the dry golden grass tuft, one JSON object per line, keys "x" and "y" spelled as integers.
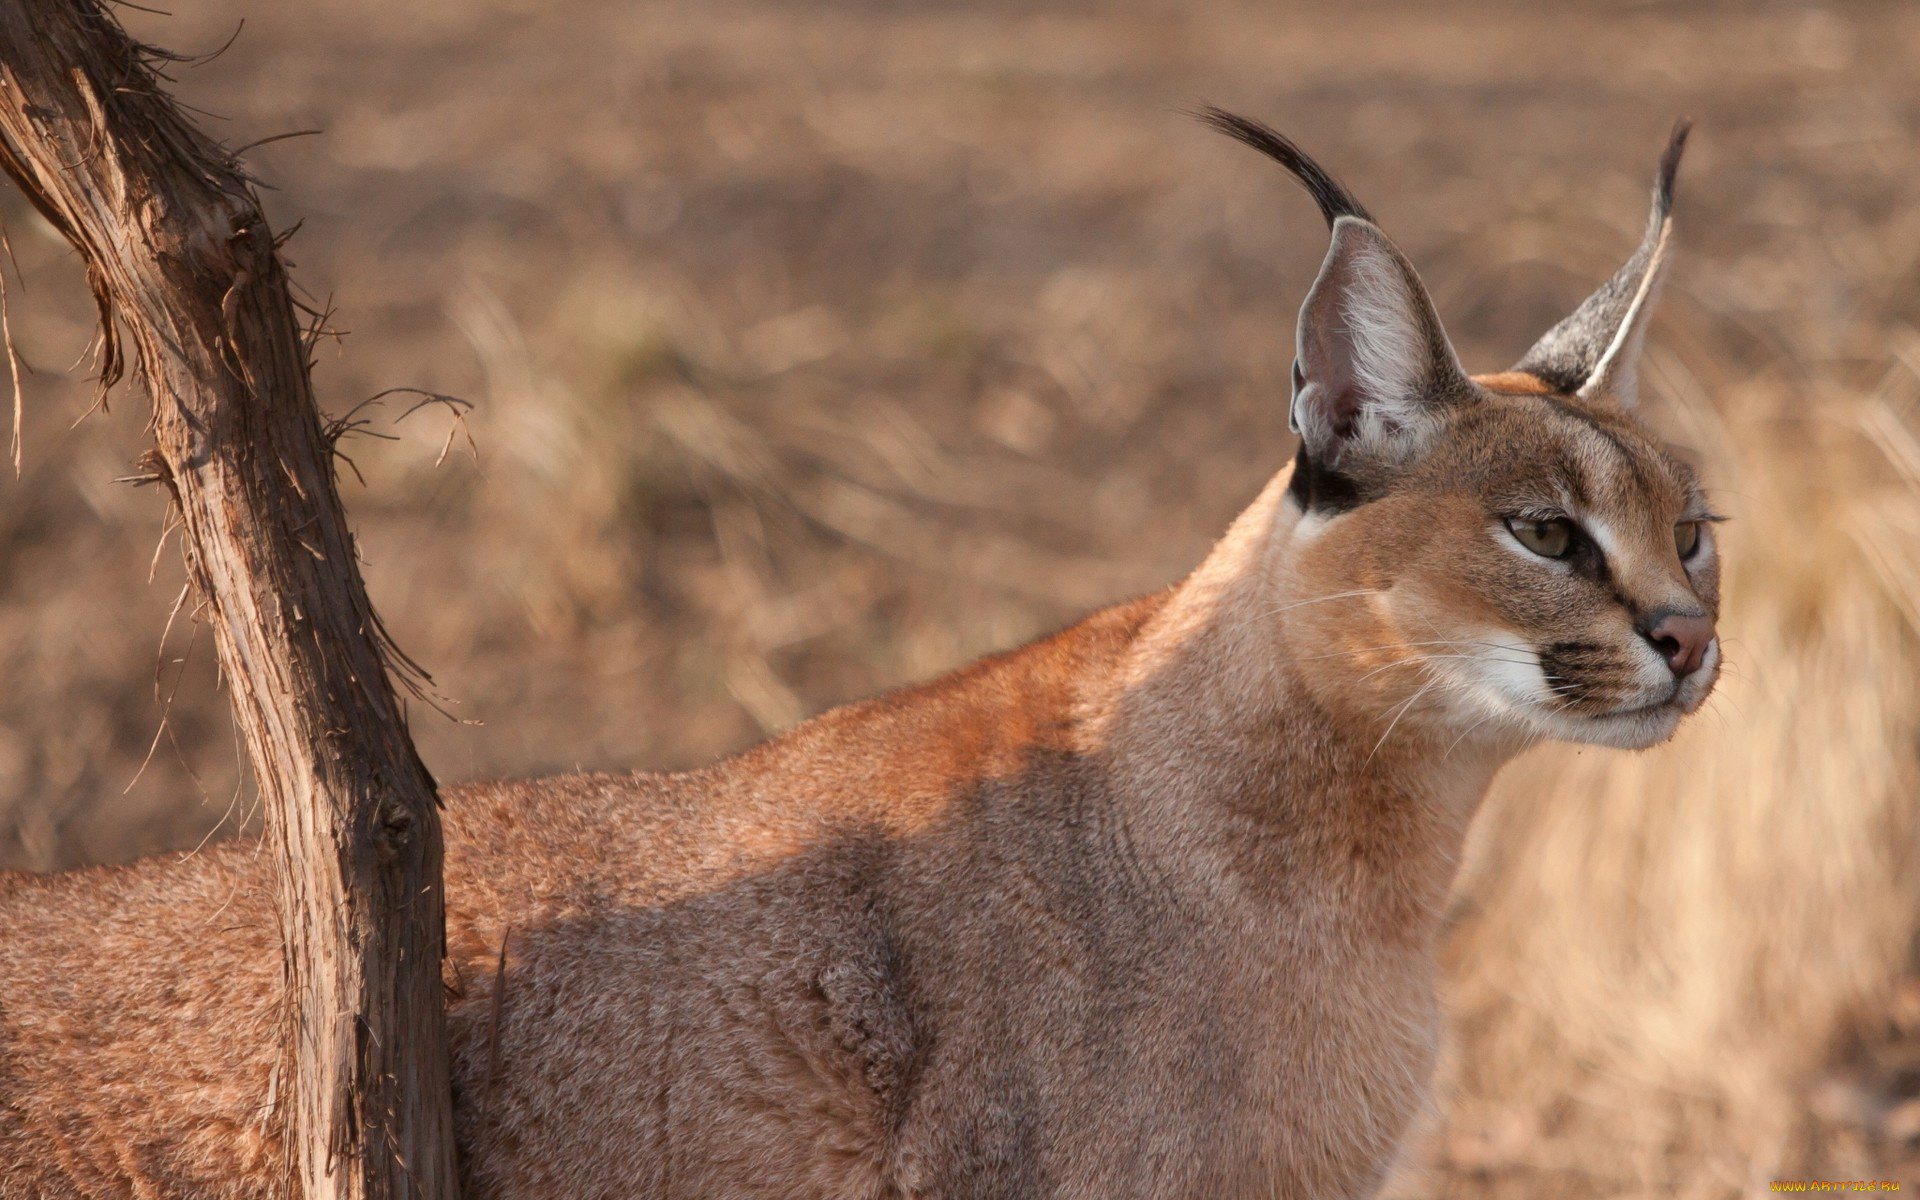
{"x": 821, "y": 347}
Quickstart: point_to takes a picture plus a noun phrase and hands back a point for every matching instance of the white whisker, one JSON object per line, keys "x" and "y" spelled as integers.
{"x": 1402, "y": 711}
{"x": 1323, "y": 599}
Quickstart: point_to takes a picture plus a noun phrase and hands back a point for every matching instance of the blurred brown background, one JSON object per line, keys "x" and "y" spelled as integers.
{"x": 822, "y": 346}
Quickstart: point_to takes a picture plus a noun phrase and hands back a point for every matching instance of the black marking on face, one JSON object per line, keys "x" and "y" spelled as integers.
{"x": 1324, "y": 490}
{"x": 1588, "y": 560}
{"x": 1575, "y": 672}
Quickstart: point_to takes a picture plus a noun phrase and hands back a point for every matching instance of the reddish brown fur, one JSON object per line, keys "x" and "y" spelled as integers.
{"x": 1515, "y": 383}
{"x": 1132, "y": 911}
{"x": 1144, "y": 909}
{"x": 863, "y": 898}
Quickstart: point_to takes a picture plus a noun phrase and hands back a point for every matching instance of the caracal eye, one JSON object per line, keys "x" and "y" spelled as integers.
{"x": 1551, "y": 538}
{"x": 1686, "y": 538}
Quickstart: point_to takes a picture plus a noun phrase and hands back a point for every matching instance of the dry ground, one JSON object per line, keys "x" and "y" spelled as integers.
{"x": 822, "y": 346}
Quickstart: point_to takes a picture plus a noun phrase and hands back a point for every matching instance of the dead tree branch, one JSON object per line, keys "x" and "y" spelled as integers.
{"x": 193, "y": 295}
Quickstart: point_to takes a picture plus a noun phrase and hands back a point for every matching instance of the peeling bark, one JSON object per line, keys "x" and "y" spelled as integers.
{"x": 192, "y": 294}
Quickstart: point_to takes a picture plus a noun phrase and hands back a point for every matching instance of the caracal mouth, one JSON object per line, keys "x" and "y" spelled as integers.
{"x": 1644, "y": 725}
{"x": 1635, "y": 726}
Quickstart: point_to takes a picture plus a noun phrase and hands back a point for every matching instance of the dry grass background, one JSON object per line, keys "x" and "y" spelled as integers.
{"x": 821, "y": 346}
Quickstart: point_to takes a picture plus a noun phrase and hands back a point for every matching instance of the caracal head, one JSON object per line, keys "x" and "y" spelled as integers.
{"x": 1495, "y": 558}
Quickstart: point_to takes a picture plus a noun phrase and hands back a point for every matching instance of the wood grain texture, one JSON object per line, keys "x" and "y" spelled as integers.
{"x": 192, "y": 294}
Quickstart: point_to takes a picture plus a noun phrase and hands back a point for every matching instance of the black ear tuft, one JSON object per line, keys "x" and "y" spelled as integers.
{"x": 1670, "y": 167}
{"x": 1595, "y": 349}
{"x": 1334, "y": 200}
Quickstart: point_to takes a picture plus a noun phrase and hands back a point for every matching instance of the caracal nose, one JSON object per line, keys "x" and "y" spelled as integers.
{"x": 1681, "y": 638}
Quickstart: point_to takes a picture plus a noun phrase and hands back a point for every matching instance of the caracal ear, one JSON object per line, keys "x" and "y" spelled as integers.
{"x": 1374, "y": 367}
{"x": 1595, "y": 352}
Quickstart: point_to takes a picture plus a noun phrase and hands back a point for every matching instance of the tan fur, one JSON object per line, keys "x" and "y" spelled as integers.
{"x": 1146, "y": 909}
{"x": 1134, "y": 911}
